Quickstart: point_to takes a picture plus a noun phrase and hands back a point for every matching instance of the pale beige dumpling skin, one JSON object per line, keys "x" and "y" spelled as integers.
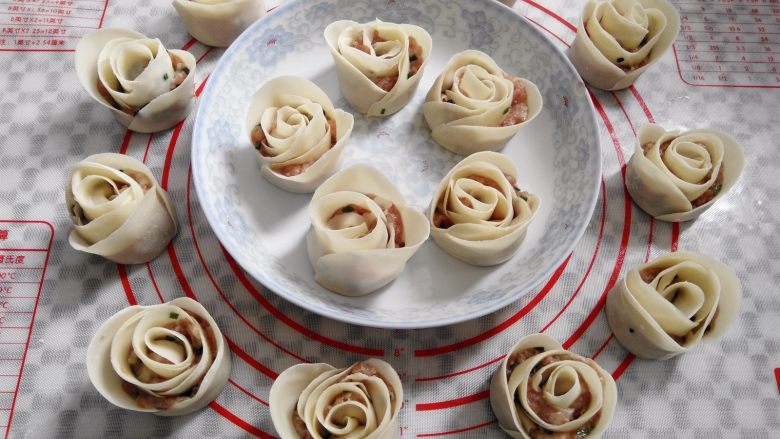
{"x": 479, "y": 214}
{"x": 541, "y": 390}
{"x": 297, "y": 133}
{"x": 169, "y": 359}
{"x": 676, "y": 176}
{"x": 218, "y": 22}
{"x": 665, "y": 307}
{"x": 475, "y": 106}
{"x": 118, "y": 210}
{"x": 617, "y": 40}
{"x": 362, "y": 233}
{"x": 146, "y": 87}
{"x": 319, "y": 401}
{"x": 379, "y": 64}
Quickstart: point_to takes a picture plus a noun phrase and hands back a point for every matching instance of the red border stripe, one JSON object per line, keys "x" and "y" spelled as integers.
{"x": 453, "y": 402}
{"x": 126, "y": 285}
{"x": 249, "y": 428}
{"x": 552, "y": 14}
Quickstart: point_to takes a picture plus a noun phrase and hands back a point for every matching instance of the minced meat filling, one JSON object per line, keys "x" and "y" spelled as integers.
{"x": 145, "y": 375}
{"x": 180, "y": 71}
{"x": 518, "y": 111}
{"x": 259, "y": 141}
{"x": 393, "y": 217}
{"x": 387, "y": 83}
{"x": 442, "y": 221}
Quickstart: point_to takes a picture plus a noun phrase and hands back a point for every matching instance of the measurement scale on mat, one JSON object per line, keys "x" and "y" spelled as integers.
{"x": 24, "y": 254}
{"x": 729, "y": 43}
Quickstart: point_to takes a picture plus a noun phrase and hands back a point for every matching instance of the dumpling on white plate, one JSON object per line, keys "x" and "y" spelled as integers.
{"x": 146, "y": 87}
{"x": 379, "y": 64}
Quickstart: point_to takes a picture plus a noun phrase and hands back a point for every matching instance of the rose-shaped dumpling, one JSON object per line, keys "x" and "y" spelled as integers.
{"x": 379, "y": 64}
{"x": 318, "y": 401}
{"x": 677, "y": 176}
{"x": 475, "y": 106}
{"x": 118, "y": 210}
{"x": 218, "y": 22}
{"x": 168, "y": 359}
{"x": 362, "y": 233}
{"x": 298, "y": 135}
{"x": 617, "y": 40}
{"x": 543, "y": 391}
{"x": 666, "y": 306}
{"x": 146, "y": 87}
{"x": 478, "y": 214}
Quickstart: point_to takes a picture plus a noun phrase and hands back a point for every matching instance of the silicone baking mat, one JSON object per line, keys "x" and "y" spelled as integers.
{"x": 52, "y": 298}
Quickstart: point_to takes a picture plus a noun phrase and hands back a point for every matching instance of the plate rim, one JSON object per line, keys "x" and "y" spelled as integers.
{"x": 209, "y": 89}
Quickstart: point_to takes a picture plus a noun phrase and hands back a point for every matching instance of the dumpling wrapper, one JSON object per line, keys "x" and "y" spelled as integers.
{"x": 609, "y": 36}
{"x": 474, "y": 238}
{"x": 353, "y": 66}
{"x": 666, "y": 192}
{"x": 132, "y": 228}
{"x": 143, "y": 67}
{"x": 218, "y": 22}
{"x": 355, "y": 267}
{"x": 645, "y": 320}
{"x": 297, "y": 139}
{"x": 140, "y": 328}
{"x": 471, "y": 122}
{"x": 308, "y": 389}
{"x": 566, "y": 381}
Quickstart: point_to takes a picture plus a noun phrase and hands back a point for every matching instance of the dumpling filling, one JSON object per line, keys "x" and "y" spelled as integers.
{"x": 442, "y": 220}
{"x": 352, "y": 214}
{"x": 387, "y": 83}
{"x": 260, "y": 142}
{"x": 518, "y": 112}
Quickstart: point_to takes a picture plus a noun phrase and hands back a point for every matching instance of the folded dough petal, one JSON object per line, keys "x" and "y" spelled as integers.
{"x": 666, "y": 306}
{"x": 617, "y": 40}
{"x": 298, "y": 135}
{"x": 146, "y": 87}
{"x": 362, "y": 232}
{"x": 358, "y": 402}
{"x": 676, "y": 176}
{"x": 379, "y": 64}
{"x": 542, "y": 387}
{"x": 475, "y": 106}
{"x": 169, "y": 359}
{"x": 218, "y": 22}
{"x": 118, "y": 210}
{"x": 478, "y": 214}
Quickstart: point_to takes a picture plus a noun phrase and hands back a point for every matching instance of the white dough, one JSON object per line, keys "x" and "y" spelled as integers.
{"x": 293, "y": 113}
{"x": 480, "y": 96}
{"x": 118, "y": 210}
{"x": 664, "y": 185}
{"x": 690, "y": 299}
{"x": 142, "y": 331}
{"x": 391, "y": 57}
{"x": 356, "y": 254}
{"x": 310, "y": 391}
{"x": 568, "y": 377}
{"x": 218, "y": 22}
{"x": 617, "y": 40}
{"x": 138, "y": 74}
{"x": 488, "y": 224}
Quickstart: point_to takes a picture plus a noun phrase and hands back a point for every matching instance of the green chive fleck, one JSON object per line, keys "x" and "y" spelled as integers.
{"x": 583, "y": 431}
{"x": 347, "y": 209}
{"x": 173, "y": 316}
{"x": 620, "y": 59}
{"x": 539, "y": 349}
{"x": 165, "y": 77}
{"x": 506, "y": 110}
{"x": 382, "y": 112}
{"x": 310, "y": 117}
{"x": 413, "y": 58}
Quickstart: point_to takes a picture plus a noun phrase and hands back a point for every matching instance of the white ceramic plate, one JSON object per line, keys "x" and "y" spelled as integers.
{"x": 264, "y": 228}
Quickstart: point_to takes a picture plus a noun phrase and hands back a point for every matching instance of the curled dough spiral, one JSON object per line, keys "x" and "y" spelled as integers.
{"x": 665, "y": 307}
{"x": 168, "y": 359}
{"x": 676, "y": 176}
{"x": 362, "y": 233}
{"x": 617, "y": 40}
{"x": 146, "y": 87}
{"x": 478, "y": 214}
{"x": 475, "y": 106}
{"x": 298, "y": 135}
{"x": 540, "y": 389}
{"x": 218, "y": 22}
{"x": 379, "y": 64}
{"x": 358, "y": 402}
{"x": 118, "y": 210}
